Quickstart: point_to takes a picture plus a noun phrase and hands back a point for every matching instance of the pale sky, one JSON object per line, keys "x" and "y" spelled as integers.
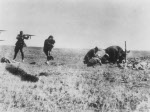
{"x": 78, "y": 23}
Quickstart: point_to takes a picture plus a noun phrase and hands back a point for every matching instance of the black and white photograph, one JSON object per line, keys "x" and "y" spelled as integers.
{"x": 74, "y": 56}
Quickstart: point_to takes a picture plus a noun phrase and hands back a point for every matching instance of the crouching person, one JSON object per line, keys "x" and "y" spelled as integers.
{"x": 95, "y": 56}
{"x": 99, "y": 59}
{"x": 90, "y": 54}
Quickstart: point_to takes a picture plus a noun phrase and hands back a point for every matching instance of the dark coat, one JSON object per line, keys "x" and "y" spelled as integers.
{"x": 90, "y": 54}
{"x": 116, "y": 54}
{"x": 20, "y": 41}
{"x": 48, "y": 45}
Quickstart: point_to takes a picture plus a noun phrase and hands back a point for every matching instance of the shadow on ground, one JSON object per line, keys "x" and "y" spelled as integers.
{"x": 43, "y": 74}
{"x": 33, "y": 63}
{"x": 21, "y": 73}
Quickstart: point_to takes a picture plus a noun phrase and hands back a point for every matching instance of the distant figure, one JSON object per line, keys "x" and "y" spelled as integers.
{"x": 90, "y": 54}
{"x": 20, "y": 44}
{"x": 48, "y": 45}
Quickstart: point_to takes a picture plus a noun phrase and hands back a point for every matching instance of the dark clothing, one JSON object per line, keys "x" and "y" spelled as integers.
{"x": 89, "y": 55}
{"x": 17, "y": 48}
{"x": 48, "y": 45}
{"x": 20, "y": 42}
{"x": 116, "y": 54}
{"x": 19, "y": 45}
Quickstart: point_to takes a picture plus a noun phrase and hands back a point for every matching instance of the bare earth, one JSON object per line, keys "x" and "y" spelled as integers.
{"x": 67, "y": 85}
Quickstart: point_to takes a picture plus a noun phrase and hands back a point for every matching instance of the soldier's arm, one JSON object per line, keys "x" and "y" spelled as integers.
{"x": 26, "y": 36}
{"x": 17, "y": 37}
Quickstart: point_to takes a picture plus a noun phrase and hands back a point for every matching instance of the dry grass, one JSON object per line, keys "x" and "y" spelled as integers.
{"x": 67, "y": 85}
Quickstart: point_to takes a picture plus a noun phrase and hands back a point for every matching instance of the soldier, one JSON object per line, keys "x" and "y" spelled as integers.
{"x": 48, "y": 45}
{"x": 20, "y": 44}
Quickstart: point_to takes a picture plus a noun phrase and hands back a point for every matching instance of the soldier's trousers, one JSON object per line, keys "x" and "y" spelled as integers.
{"x": 17, "y": 49}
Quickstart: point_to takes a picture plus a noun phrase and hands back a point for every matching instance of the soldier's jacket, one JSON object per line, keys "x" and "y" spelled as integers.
{"x": 20, "y": 42}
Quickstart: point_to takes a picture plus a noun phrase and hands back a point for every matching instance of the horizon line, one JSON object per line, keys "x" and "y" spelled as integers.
{"x": 69, "y": 48}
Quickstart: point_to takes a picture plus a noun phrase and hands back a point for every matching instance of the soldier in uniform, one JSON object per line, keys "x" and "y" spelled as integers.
{"x": 20, "y": 44}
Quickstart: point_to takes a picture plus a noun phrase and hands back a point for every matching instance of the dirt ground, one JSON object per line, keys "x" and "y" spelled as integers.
{"x": 67, "y": 85}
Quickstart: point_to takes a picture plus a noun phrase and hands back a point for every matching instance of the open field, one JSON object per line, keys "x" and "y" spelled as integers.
{"x": 67, "y": 85}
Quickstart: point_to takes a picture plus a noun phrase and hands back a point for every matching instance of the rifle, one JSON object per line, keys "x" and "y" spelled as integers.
{"x": 2, "y": 31}
{"x": 28, "y": 35}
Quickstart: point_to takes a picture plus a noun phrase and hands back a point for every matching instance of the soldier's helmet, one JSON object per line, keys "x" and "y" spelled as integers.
{"x": 21, "y": 32}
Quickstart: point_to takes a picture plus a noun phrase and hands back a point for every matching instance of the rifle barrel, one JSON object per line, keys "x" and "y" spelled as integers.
{"x": 29, "y": 35}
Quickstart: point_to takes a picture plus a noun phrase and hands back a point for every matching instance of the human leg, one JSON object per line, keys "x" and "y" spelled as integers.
{"x": 16, "y": 51}
{"x": 22, "y": 54}
{"x": 46, "y": 53}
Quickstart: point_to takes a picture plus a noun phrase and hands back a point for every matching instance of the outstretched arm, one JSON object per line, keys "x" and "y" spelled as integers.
{"x": 26, "y": 36}
{"x": 23, "y": 37}
{"x": 17, "y": 37}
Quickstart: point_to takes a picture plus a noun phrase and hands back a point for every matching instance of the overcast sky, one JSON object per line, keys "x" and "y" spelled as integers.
{"x": 78, "y": 23}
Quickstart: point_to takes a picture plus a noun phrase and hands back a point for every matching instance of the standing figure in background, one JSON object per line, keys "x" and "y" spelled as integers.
{"x": 48, "y": 45}
{"x": 20, "y": 44}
